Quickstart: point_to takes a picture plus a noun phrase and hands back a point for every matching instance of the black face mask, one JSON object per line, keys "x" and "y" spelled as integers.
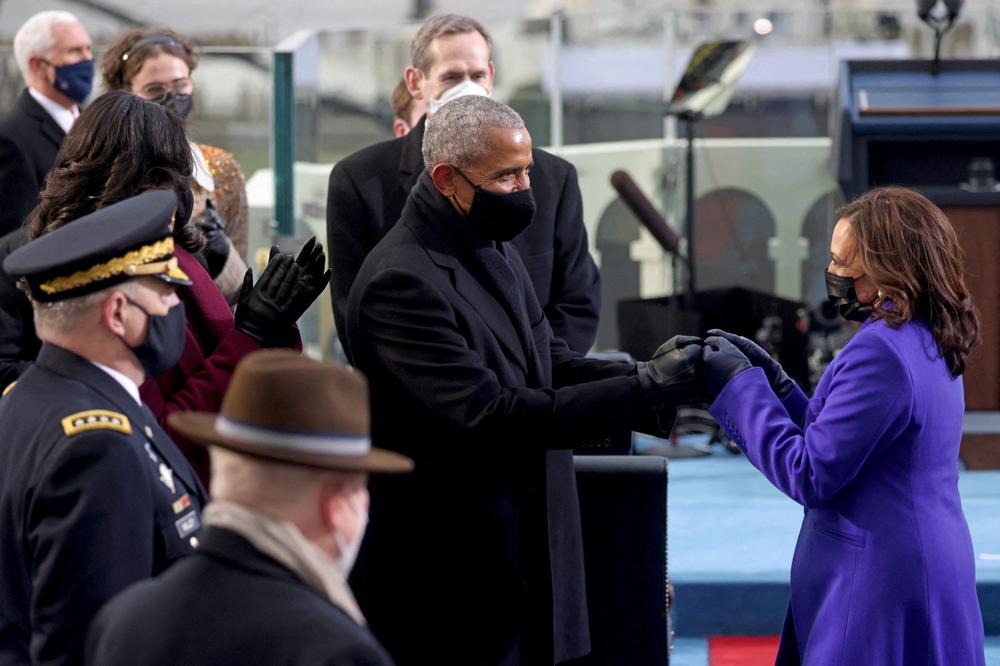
{"x": 164, "y": 341}
{"x": 176, "y": 102}
{"x": 500, "y": 217}
{"x": 840, "y": 291}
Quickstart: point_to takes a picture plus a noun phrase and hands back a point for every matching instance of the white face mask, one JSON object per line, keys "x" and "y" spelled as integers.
{"x": 466, "y": 87}
{"x": 349, "y": 551}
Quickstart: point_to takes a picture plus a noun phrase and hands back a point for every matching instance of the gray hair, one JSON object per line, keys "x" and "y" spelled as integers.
{"x": 35, "y": 37}
{"x": 269, "y": 484}
{"x": 457, "y": 132}
{"x": 438, "y": 25}
{"x": 68, "y": 315}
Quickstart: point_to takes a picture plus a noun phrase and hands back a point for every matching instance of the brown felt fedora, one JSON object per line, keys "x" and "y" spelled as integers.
{"x": 287, "y": 407}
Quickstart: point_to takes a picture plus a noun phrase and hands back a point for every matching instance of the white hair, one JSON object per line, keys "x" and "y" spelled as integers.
{"x": 457, "y": 133}
{"x": 35, "y": 37}
{"x": 274, "y": 487}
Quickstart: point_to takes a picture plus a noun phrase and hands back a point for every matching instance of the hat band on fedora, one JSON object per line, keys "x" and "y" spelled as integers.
{"x": 300, "y": 442}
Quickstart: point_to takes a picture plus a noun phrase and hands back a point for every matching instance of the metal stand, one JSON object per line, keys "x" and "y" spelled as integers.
{"x": 691, "y": 204}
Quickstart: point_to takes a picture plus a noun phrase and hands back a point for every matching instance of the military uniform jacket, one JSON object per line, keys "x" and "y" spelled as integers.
{"x": 369, "y": 188}
{"x": 93, "y": 497}
{"x": 475, "y": 557}
{"x": 29, "y": 141}
{"x": 228, "y": 603}
{"x": 212, "y": 348}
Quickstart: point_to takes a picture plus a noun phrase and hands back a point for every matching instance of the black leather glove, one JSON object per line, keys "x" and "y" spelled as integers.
{"x": 670, "y": 377}
{"x": 721, "y": 362}
{"x": 779, "y": 380}
{"x": 267, "y": 311}
{"x": 217, "y": 245}
{"x": 315, "y": 277}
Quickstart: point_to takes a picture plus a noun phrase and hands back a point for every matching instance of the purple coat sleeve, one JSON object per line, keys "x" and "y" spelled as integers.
{"x": 796, "y": 404}
{"x": 865, "y": 405}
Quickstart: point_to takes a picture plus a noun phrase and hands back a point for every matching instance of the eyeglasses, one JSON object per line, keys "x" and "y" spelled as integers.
{"x": 184, "y": 86}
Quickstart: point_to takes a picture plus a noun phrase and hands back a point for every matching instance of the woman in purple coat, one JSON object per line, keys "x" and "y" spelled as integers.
{"x": 883, "y": 572}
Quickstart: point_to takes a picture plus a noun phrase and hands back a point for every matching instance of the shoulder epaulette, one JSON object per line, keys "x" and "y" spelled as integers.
{"x": 8, "y": 388}
{"x": 96, "y": 419}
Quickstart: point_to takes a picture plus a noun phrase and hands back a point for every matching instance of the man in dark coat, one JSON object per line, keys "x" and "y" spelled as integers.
{"x": 18, "y": 343}
{"x": 452, "y": 55}
{"x": 93, "y": 494}
{"x": 290, "y": 453}
{"x": 53, "y": 52}
{"x": 476, "y": 558}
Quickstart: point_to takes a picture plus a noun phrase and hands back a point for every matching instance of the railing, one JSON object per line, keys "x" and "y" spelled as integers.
{"x": 592, "y": 86}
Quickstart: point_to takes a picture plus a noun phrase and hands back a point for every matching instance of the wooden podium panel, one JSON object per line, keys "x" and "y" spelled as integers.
{"x": 978, "y": 230}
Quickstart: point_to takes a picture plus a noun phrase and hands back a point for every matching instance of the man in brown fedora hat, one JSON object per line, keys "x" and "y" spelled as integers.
{"x": 290, "y": 457}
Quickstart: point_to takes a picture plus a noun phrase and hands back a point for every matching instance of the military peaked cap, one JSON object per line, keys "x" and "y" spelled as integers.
{"x": 126, "y": 240}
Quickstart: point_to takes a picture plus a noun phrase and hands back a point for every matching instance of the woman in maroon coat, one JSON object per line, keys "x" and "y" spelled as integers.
{"x": 123, "y": 145}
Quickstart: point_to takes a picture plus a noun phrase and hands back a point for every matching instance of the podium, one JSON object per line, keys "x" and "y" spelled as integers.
{"x": 902, "y": 124}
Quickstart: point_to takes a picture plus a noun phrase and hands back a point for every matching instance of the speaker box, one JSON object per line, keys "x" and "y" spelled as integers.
{"x": 623, "y": 513}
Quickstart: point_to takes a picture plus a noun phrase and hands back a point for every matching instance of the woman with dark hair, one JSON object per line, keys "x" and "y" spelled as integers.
{"x": 117, "y": 148}
{"x": 121, "y": 146}
{"x": 156, "y": 64}
{"x": 883, "y": 571}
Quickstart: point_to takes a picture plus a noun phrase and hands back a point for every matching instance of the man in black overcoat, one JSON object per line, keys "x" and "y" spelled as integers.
{"x": 476, "y": 557}
{"x": 93, "y": 494}
{"x": 53, "y": 52}
{"x": 452, "y": 55}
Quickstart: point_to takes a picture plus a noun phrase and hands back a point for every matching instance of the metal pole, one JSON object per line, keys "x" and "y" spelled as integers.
{"x": 283, "y": 145}
{"x": 691, "y": 210}
{"x": 555, "y": 99}
{"x": 670, "y": 48}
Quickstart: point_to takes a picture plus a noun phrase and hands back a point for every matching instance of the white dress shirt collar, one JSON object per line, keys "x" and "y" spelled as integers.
{"x": 64, "y": 117}
{"x": 127, "y": 384}
{"x": 201, "y": 172}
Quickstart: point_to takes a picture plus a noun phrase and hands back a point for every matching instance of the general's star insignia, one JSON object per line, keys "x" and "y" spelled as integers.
{"x": 167, "y": 477}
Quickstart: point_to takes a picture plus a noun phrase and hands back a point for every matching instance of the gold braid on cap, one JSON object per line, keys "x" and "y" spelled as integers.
{"x": 129, "y": 263}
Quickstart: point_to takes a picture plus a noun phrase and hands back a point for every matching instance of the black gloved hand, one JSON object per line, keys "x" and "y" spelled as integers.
{"x": 311, "y": 261}
{"x": 779, "y": 380}
{"x": 670, "y": 377}
{"x": 267, "y": 311}
{"x": 721, "y": 362}
{"x": 217, "y": 246}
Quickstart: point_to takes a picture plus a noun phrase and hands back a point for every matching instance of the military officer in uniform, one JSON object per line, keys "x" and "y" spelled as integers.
{"x": 93, "y": 494}
{"x": 290, "y": 462}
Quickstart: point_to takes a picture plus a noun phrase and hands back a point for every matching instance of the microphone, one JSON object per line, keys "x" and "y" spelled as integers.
{"x": 924, "y": 8}
{"x": 644, "y": 209}
{"x": 954, "y": 7}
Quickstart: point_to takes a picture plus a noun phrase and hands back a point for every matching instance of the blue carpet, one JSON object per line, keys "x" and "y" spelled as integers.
{"x": 689, "y": 652}
{"x": 732, "y": 534}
